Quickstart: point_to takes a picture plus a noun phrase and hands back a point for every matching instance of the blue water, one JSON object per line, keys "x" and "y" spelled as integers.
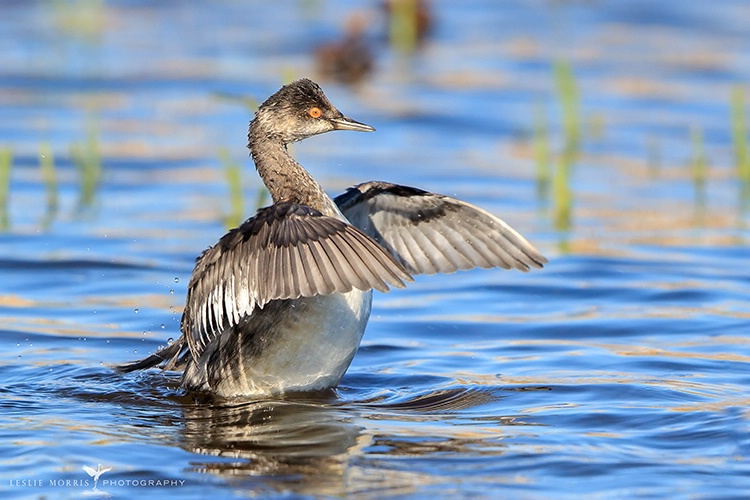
{"x": 621, "y": 370}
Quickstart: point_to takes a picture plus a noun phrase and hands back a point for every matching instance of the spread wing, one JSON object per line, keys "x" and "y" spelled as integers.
{"x": 286, "y": 251}
{"x": 432, "y": 233}
{"x": 91, "y": 472}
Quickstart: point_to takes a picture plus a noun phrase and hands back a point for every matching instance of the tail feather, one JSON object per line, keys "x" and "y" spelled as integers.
{"x": 172, "y": 357}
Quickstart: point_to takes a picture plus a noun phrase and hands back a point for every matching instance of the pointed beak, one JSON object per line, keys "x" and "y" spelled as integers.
{"x": 344, "y": 123}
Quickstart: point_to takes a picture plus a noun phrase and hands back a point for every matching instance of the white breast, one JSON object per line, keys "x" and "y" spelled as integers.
{"x": 311, "y": 345}
{"x": 320, "y": 343}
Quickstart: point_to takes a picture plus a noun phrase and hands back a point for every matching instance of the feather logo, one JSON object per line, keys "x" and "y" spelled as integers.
{"x": 95, "y": 473}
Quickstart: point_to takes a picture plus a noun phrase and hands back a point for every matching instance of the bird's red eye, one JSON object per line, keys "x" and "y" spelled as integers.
{"x": 315, "y": 112}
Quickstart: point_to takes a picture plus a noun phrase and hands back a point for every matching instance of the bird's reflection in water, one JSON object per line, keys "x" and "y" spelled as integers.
{"x": 326, "y": 445}
{"x": 307, "y": 441}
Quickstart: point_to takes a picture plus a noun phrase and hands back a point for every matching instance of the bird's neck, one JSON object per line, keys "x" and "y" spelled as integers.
{"x": 285, "y": 179}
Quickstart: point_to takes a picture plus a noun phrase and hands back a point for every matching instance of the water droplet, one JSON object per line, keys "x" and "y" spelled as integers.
{"x": 135, "y": 351}
{"x": 170, "y": 341}
{"x": 162, "y": 326}
{"x": 177, "y": 280}
{"x": 171, "y": 291}
{"x": 136, "y": 310}
{"x": 19, "y": 356}
{"x": 18, "y": 345}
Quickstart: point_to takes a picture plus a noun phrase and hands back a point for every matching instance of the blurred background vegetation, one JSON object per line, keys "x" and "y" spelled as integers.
{"x": 629, "y": 118}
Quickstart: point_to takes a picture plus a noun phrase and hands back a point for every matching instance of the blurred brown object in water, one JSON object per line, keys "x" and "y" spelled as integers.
{"x": 409, "y": 22}
{"x": 350, "y": 59}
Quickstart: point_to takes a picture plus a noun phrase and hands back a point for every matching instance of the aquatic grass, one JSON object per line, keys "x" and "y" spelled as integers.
{"x": 562, "y": 194}
{"x": 698, "y": 161}
{"x": 288, "y": 75}
{"x": 82, "y": 19}
{"x": 739, "y": 134}
{"x": 699, "y": 170}
{"x": 541, "y": 150}
{"x": 248, "y": 102}
{"x": 567, "y": 91}
{"x": 233, "y": 175}
{"x": 87, "y": 159}
{"x": 6, "y": 163}
{"x": 310, "y": 8}
{"x": 403, "y": 25}
{"x": 49, "y": 179}
{"x": 596, "y": 126}
{"x": 262, "y": 198}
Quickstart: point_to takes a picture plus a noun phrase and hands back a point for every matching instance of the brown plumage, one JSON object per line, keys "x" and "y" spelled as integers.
{"x": 280, "y": 303}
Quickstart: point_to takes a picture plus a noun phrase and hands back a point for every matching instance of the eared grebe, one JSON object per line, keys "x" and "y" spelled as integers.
{"x": 280, "y": 303}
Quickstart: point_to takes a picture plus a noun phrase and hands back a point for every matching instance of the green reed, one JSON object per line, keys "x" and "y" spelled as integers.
{"x": 567, "y": 91}
{"x": 288, "y": 75}
{"x": 233, "y": 175}
{"x": 562, "y": 194}
{"x": 699, "y": 172}
{"x": 6, "y": 163}
{"x": 541, "y": 149}
{"x": 739, "y": 134}
{"x": 84, "y": 19}
{"x": 262, "y": 199}
{"x": 87, "y": 159}
{"x": 403, "y": 25}
{"x": 595, "y": 127}
{"x": 249, "y": 103}
{"x": 49, "y": 179}
{"x": 698, "y": 162}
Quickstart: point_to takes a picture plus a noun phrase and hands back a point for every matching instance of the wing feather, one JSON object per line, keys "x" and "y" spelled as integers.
{"x": 384, "y": 272}
{"x": 443, "y": 247}
{"x": 365, "y": 274}
{"x": 286, "y": 271}
{"x": 321, "y": 269}
{"x": 347, "y": 255}
{"x": 431, "y": 233}
{"x": 307, "y": 285}
{"x": 401, "y": 245}
{"x": 286, "y": 251}
{"x": 377, "y": 274}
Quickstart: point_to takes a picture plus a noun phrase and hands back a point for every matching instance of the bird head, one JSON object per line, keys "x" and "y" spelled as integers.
{"x": 299, "y": 110}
